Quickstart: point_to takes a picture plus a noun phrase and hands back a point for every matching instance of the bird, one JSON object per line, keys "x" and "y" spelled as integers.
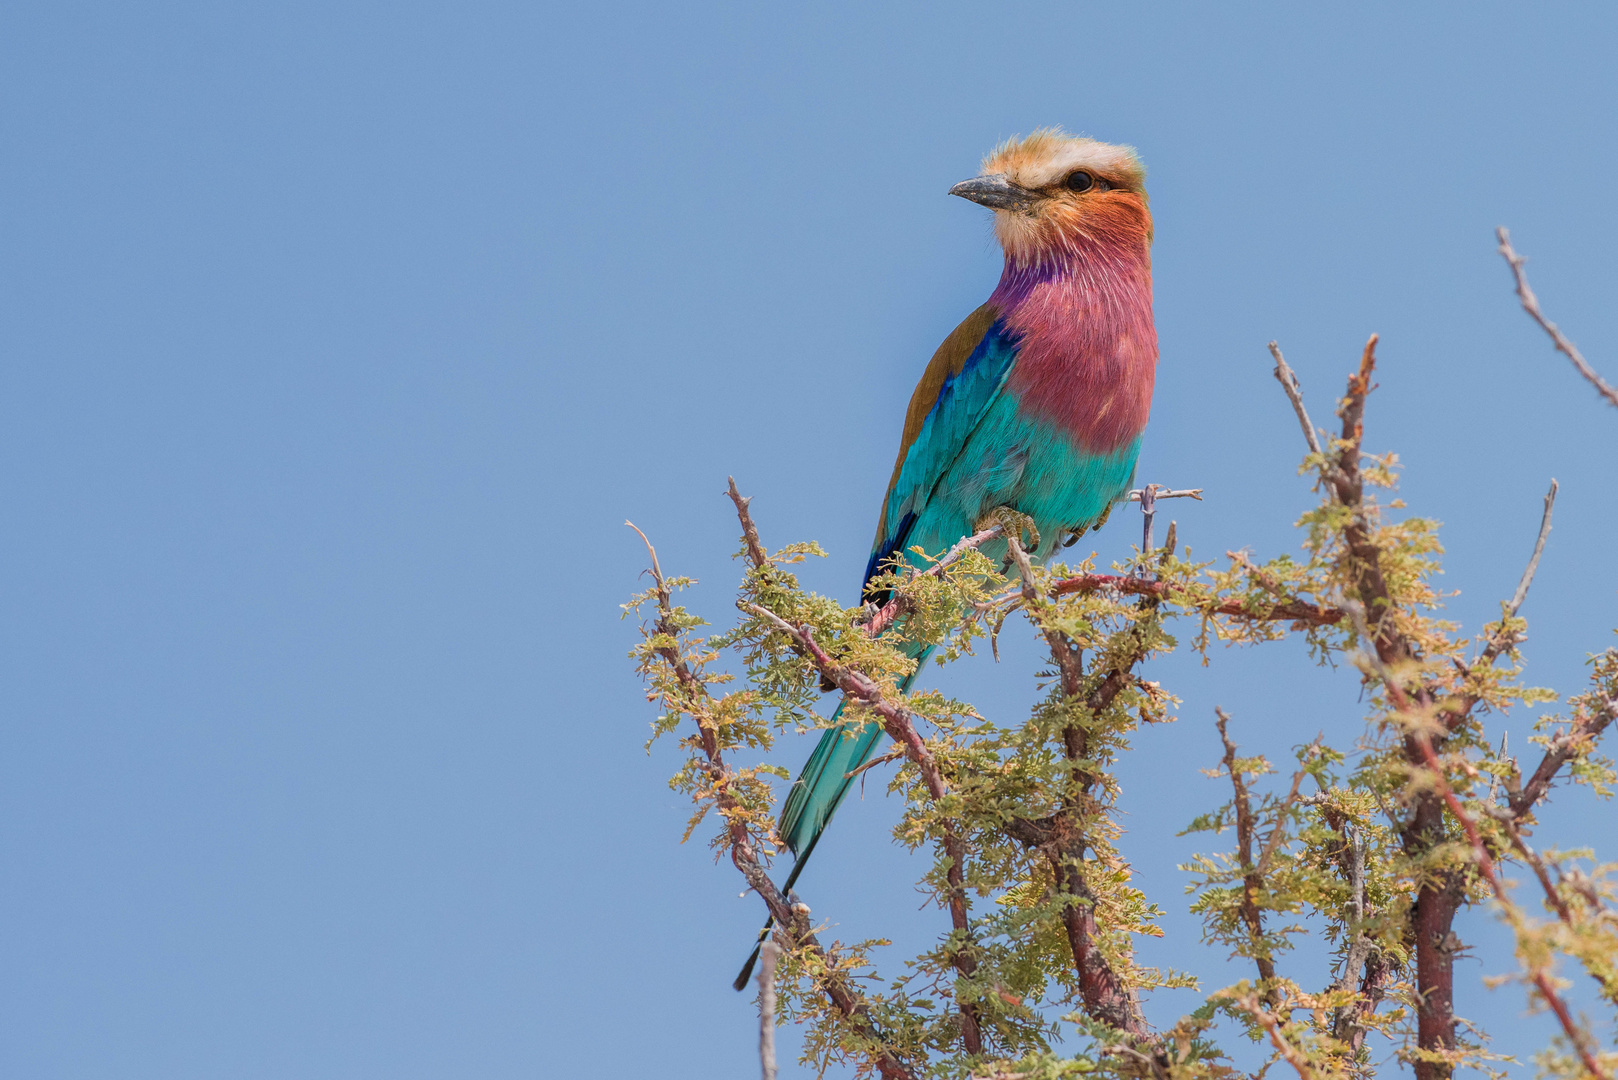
{"x": 1036, "y": 402}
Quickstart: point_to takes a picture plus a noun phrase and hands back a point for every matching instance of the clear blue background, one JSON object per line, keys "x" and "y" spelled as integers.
{"x": 340, "y": 339}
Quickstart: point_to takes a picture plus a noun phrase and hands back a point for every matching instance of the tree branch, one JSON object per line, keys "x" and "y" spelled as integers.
{"x": 1252, "y": 876}
{"x": 1504, "y": 638}
{"x": 1283, "y": 611}
{"x": 1480, "y": 852}
{"x": 1289, "y": 382}
{"x": 1272, "y": 1027}
{"x": 793, "y": 918}
{"x": 1539, "y": 549}
{"x": 1105, "y": 995}
{"x": 899, "y": 722}
{"x": 1562, "y": 748}
{"x": 755, "y": 549}
{"x": 1530, "y": 304}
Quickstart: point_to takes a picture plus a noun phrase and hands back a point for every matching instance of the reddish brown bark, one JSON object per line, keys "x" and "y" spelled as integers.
{"x": 1106, "y": 997}
{"x": 1281, "y": 611}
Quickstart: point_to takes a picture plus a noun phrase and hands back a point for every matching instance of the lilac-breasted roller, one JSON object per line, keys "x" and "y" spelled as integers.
{"x": 1036, "y": 402}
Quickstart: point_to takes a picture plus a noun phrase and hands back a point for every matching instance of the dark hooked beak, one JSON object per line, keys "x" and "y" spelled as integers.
{"x": 995, "y": 192}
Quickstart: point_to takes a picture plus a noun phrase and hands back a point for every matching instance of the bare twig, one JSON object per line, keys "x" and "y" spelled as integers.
{"x": 1530, "y": 304}
{"x": 892, "y": 755}
{"x": 755, "y": 549}
{"x": 1148, "y": 511}
{"x": 1165, "y": 493}
{"x": 1539, "y": 549}
{"x": 1503, "y": 637}
{"x": 1289, "y": 382}
{"x": 768, "y": 955}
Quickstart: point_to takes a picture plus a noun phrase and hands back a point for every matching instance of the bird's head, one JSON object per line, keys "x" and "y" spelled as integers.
{"x": 1052, "y": 189}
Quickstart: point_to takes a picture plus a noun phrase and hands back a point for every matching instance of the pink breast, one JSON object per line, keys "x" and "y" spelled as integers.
{"x": 1089, "y": 349}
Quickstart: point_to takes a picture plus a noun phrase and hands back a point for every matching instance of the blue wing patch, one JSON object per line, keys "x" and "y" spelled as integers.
{"x": 962, "y": 400}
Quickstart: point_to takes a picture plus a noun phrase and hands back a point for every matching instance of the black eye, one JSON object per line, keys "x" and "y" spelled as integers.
{"x": 1080, "y": 181}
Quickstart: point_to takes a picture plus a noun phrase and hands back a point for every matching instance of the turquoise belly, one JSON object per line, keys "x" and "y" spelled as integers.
{"x": 1030, "y": 466}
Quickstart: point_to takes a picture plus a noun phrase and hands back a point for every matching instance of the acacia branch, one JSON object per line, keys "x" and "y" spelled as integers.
{"x": 1530, "y": 304}
{"x": 1537, "y": 865}
{"x": 899, "y": 723}
{"x": 793, "y": 918}
{"x": 1364, "y": 962}
{"x": 1252, "y": 876}
{"x": 1272, "y": 1027}
{"x": 1282, "y": 611}
{"x": 1487, "y": 868}
{"x": 1062, "y": 838}
{"x": 1438, "y": 899}
{"x": 1480, "y": 852}
{"x": 1564, "y": 747}
{"x": 1254, "y": 871}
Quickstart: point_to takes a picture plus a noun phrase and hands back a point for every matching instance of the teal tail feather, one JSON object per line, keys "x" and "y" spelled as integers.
{"x": 816, "y": 794}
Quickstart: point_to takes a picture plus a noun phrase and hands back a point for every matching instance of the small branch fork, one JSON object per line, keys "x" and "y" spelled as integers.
{"x": 793, "y": 919}
{"x": 1562, "y": 749}
{"x": 1389, "y": 649}
{"x": 1530, "y": 304}
{"x": 1147, "y": 497}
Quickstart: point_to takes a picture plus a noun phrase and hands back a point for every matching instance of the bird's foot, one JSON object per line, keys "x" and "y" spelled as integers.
{"x": 1015, "y": 523}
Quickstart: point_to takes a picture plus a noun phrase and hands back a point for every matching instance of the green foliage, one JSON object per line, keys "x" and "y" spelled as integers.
{"x": 1019, "y": 815}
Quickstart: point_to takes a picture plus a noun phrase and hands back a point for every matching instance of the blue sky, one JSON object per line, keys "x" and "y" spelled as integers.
{"x": 340, "y": 339}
